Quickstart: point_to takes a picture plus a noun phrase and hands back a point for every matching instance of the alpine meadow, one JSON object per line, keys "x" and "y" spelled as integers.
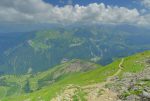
{"x": 74, "y": 50}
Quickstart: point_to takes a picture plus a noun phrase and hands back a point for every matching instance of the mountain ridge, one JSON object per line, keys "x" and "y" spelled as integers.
{"x": 47, "y": 48}
{"x": 112, "y": 74}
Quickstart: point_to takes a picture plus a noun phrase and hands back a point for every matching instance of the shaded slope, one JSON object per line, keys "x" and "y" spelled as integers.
{"x": 47, "y": 48}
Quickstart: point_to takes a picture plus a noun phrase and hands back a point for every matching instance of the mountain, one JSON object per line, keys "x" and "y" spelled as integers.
{"x": 14, "y": 85}
{"x": 40, "y": 50}
{"x": 126, "y": 79}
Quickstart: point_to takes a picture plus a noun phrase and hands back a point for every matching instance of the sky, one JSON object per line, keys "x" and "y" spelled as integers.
{"x": 66, "y": 12}
{"x": 86, "y": 2}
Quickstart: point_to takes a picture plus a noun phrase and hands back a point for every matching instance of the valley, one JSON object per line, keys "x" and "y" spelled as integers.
{"x": 74, "y": 50}
{"x": 40, "y": 50}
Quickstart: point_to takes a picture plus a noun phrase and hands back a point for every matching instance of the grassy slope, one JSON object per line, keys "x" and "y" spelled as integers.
{"x": 136, "y": 62}
{"x": 20, "y": 81}
{"x": 131, "y": 64}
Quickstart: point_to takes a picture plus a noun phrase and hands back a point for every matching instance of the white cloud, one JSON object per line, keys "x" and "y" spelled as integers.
{"x": 146, "y": 3}
{"x": 37, "y": 11}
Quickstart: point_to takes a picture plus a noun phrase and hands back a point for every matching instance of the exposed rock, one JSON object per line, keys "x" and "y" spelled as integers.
{"x": 133, "y": 85}
{"x": 148, "y": 61}
{"x": 145, "y": 95}
{"x": 133, "y": 98}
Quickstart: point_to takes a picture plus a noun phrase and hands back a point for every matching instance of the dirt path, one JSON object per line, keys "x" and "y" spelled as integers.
{"x": 117, "y": 73}
{"x": 95, "y": 92}
{"x": 120, "y": 68}
{"x": 98, "y": 92}
{"x": 109, "y": 79}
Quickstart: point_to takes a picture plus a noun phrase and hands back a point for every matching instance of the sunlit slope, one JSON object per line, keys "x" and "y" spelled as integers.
{"x": 14, "y": 85}
{"x": 131, "y": 64}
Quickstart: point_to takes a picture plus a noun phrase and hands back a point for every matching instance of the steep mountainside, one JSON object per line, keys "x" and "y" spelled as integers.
{"x": 125, "y": 79}
{"x": 48, "y": 48}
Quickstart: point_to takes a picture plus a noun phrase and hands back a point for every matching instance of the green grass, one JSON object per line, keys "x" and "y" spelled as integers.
{"x": 42, "y": 39}
{"x": 131, "y": 64}
{"x": 135, "y": 63}
{"x": 93, "y": 76}
{"x": 79, "y": 95}
{"x": 3, "y": 91}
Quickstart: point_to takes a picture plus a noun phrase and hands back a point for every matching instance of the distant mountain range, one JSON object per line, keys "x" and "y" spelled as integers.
{"x": 38, "y": 51}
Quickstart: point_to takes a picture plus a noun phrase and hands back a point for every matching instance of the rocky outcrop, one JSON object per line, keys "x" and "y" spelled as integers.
{"x": 133, "y": 86}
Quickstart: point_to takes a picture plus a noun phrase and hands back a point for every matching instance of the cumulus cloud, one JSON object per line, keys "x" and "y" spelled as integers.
{"x": 37, "y": 11}
{"x": 146, "y": 3}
